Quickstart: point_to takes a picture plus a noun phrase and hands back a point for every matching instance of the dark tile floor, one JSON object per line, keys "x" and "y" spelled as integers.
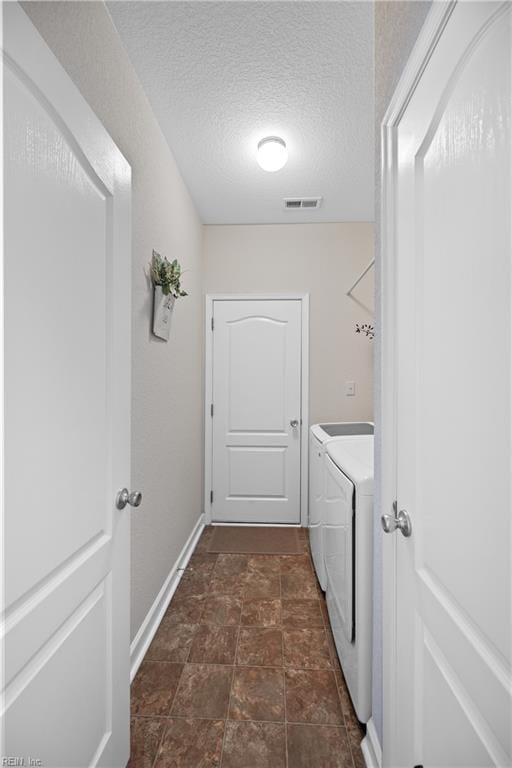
{"x": 243, "y": 673}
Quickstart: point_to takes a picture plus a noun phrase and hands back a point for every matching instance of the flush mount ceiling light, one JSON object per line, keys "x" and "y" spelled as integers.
{"x": 272, "y": 153}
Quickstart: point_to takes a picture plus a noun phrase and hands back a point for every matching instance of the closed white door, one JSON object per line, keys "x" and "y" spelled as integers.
{"x": 256, "y": 398}
{"x": 65, "y": 609}
{"x": 453, "y": 680}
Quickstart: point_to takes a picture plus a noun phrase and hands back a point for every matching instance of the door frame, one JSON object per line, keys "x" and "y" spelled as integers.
{"x": 210, "y": 298}
{"x": 428, "y": 38}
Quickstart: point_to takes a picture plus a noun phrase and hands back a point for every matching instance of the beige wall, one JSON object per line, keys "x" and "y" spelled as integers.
{"x": 166, "y": 377}
{"x": 167, "y": 442}
{"x": 324, "y": 260}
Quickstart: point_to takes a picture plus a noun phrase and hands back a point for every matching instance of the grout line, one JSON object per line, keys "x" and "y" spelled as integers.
{"x": 231, "y": 720}
{"x": 231, "y": 687}
{"x": 177, "y": 689}
{"x": 349, "y": 740}
{"x": 191, "y": 644}
{"x": 245, "y": 666}
{"x": 284, "y": 678}
{"x": 337, "y": 673}
{"x": 164, "y": 730}
{"x": 229, "y": 700}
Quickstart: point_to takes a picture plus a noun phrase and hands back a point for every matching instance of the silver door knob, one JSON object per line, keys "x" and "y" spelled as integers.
{"x": 399, "y": 520}
{"x": 124, "y": 497}
{"x": 294, "y": 423}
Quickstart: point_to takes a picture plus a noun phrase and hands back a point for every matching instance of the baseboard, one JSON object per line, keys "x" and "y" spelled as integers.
{"x": 149, "y": 626}
{"x": 256, "y": 525}
{"x": 371, "y": 748}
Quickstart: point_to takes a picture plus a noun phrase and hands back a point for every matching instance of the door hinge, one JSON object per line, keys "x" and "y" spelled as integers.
{"x": 211, "y": 497}
{"x": 211, "y": 410}
{"x": 213, "y": 323}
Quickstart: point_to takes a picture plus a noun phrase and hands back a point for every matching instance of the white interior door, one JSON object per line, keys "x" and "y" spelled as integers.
{"x": 65, "y": 609}
{"x": 453, "y": 601}
{"x": 256, "y": 466}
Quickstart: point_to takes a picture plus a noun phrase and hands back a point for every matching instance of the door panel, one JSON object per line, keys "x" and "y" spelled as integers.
{"x": 461, "y": 743}
{"x": 257, "y": 472}
{"x": 43, "y": 698}
{"x": 68, "y": 220}
{"x": 65, "y": 638}
{"x": 256, "y": 401}
{"x": 454, "y": 396}
{"x": 256, "y": 394}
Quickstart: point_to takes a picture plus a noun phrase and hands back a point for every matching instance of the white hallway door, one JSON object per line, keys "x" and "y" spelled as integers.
{"x": 256, "y": 396}
{"x": 453, "y": 686}
{"x": 65, "y": 627}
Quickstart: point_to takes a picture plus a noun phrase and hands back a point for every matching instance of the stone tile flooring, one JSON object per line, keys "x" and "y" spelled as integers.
{"x": 243, "y": 672}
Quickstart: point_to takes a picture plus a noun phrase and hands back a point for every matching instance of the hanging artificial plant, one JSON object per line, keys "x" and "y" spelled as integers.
{"x": 166, "y": 279}
{"x": 167, "y": 274}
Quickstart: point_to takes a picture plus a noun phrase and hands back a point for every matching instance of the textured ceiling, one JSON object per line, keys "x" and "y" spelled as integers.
{"x": 222, "y": 75}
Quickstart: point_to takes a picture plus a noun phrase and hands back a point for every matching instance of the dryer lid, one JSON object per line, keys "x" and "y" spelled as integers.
{"x": 326, "y": 432}
{"x": 354, "y": 456}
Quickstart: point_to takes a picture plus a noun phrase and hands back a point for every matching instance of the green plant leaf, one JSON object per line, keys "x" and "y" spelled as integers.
{"x": 166, "y": 274}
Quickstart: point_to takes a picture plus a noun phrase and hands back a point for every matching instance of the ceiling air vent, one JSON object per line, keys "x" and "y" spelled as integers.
{"x": 298, "y": 203}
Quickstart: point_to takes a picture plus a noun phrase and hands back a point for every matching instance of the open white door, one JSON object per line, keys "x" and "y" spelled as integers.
{"x": 256, "y": 386}
{"x": 448, "y": 687}
{"x": 67, "y": 267}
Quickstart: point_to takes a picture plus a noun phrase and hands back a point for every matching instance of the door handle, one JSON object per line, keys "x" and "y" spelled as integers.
{"x": 399, "y": 521}
{"x": 294, "y": 423}
{"x": 124, "y": 497}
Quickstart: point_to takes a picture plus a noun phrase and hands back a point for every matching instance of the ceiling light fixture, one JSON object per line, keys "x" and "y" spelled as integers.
{"x": 272, "y": 153}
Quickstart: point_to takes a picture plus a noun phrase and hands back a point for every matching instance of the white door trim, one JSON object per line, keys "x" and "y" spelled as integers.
{"x": 208, "y": 389}
{"x": 427, "y": 40}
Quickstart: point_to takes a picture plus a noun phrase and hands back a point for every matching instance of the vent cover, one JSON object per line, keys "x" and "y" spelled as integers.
{"x": 299, "y": 203}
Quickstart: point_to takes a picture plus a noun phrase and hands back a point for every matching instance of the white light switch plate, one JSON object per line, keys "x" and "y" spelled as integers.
{"x": 350, "y": 388}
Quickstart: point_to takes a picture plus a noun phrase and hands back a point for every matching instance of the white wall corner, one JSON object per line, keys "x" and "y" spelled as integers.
{"x": 371, "y": 748}
{"x": 149, "y": 626}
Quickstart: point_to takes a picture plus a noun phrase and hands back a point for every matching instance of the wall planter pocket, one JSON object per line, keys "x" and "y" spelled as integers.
{"x": 166, "y": 277}
{"x": 163, "y": 307}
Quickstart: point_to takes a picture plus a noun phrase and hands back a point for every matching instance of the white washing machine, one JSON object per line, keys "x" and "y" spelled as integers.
{"x": 348, "y": 552}
{"x": 320, "y": 435}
